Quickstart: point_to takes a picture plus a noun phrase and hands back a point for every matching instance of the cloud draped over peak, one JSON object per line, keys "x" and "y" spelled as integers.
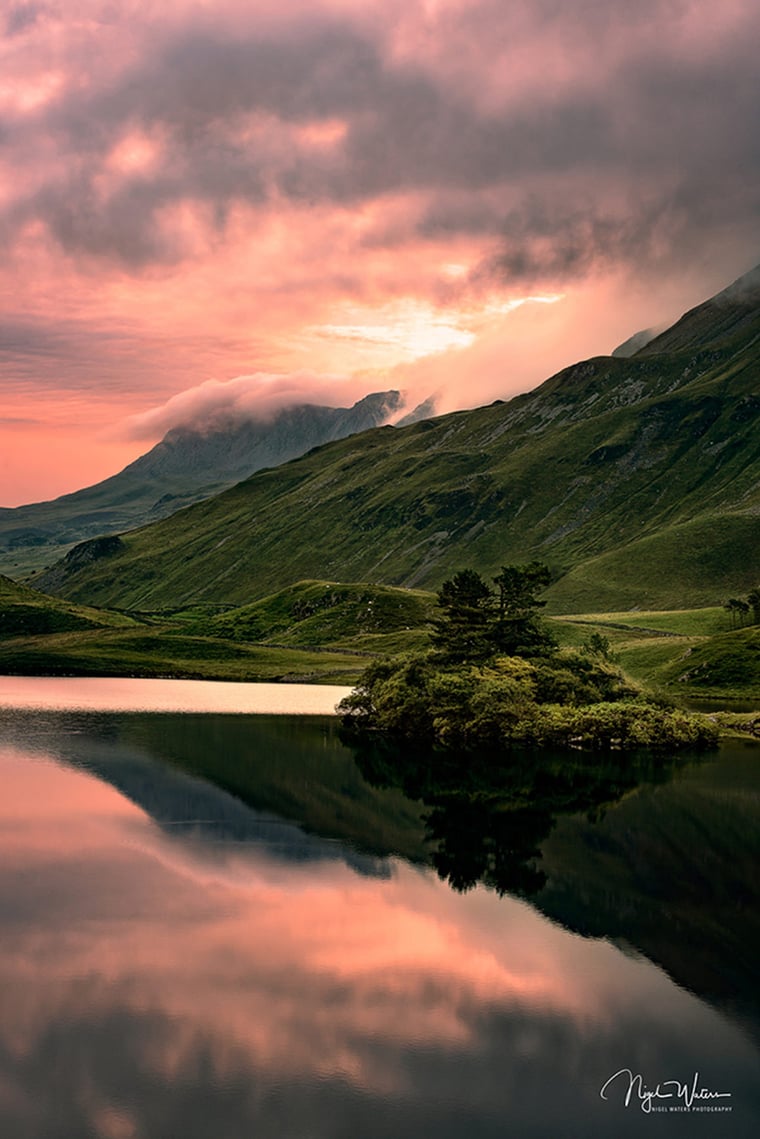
{"x": 256, "y": 397}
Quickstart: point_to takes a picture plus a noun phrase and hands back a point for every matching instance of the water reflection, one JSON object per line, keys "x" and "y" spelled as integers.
{"x": 670, "y": 870}
{"x": 488, "y": 814}
{"x": 166, "y": 971}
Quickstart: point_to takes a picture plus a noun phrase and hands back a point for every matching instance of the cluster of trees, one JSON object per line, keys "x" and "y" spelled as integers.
{"x": 477, "y": 621}
{"x": 496, "y": 677}
{"x": 740, "y": 608}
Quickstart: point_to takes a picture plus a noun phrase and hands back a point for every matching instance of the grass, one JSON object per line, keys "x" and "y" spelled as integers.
{"x": 720, "y": 666}
{"x": 686, "y": 622}
{"x": 325, "y": 613}
{"x": 164, "y": 652}
{"x": 326, "y": 632}
{"x": 684, "y": 566}
{"x": 684, "y": 654}
{"x": 313, "y": 631}
{"x": 25, "y": 612}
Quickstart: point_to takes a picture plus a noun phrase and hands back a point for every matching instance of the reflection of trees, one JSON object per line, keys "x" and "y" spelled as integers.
{"x": 488, "y": 815}
{"x": 477, "y": 842}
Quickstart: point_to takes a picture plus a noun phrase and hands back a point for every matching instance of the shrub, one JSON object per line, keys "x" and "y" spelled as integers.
{"x": 570, "y": 701}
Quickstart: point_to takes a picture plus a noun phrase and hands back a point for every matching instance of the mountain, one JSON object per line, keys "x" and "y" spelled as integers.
{"x": 189, "y": 464}
{"x": 637, "y": 480}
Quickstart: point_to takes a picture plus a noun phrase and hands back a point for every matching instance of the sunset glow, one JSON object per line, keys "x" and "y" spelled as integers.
{"x": 387, "y": 192}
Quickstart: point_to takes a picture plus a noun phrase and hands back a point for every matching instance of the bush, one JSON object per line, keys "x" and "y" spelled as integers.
{"x": 617, "y": 725}
{"x": 571, "y": 701}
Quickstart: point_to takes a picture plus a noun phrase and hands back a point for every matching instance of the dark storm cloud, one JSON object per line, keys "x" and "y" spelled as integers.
{"x": 656, "y": 152}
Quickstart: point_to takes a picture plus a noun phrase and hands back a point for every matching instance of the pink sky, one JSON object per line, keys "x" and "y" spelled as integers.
{"x": 339, "y": 197}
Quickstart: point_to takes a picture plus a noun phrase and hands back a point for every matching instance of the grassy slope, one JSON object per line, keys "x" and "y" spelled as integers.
{"x": 720, "y": 666}
{"x": 25, "y": 612}
{"x": 641, "y": 476}
{"x": 683, "y": 653}
{"x": 689, "y": 564}
{"x": 352, "y": 615}
{"x": 326, "y": 631}
{"x": 166, "y": 651}
{"x": 313, "y": 631}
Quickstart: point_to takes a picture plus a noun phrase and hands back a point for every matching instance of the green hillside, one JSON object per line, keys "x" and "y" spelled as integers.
{"x": 188, "y": 464}
{"x": 309, "y": 613}
{"x": 681, "y": 654}
{"x": 166, "y": 651}
{"x": 26, "y": 613}
{"x": 637, "y": 480}
{"x": 312, "y": 631}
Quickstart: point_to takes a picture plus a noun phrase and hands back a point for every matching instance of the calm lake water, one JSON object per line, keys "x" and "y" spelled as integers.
{"x": 236, "y": 927}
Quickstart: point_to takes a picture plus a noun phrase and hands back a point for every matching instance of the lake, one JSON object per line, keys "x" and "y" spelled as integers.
{"x": 221, "y": 926}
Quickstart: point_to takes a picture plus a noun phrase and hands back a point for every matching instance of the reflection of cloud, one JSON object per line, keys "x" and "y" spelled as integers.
{"x": 231, "y": 996}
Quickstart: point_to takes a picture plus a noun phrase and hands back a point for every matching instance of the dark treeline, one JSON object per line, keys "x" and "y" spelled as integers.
{"x": 741, "y": 609}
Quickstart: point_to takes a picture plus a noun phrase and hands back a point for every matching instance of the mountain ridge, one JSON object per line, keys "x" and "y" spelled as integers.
{"x": 659, "y": 448}
{"x": 188, "y": 464}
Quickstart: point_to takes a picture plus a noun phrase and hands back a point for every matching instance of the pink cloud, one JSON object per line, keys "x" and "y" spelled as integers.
{"x": 193, "y": 192}
{"x": 256, "y": 397}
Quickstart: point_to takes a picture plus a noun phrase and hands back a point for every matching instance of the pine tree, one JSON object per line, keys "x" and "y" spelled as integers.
{"x": 463, "y": 632}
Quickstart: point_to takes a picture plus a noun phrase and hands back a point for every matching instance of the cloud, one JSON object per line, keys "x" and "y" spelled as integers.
{"x": 257, "y": 397}
{"x": 615, "y": 108}
{"x": 197, "y": 189}
{"x": 20, "y": 17}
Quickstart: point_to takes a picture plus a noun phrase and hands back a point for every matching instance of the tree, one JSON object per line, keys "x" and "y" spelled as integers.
{"x": 518, "y": 630}
{"x": 476, "y": 624}
{"x": 463, "y": 631}
{"x": 518, "y": 586}
{"x": 753, "y": 600}
{"x": 597, "y": 645}
{"x": 737, "y": 610}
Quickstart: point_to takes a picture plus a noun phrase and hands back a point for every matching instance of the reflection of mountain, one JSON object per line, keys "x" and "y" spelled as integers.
{"x": 488, "y": 814}
{"x": 293, "y": 767}
{"x": 186, "y": 806}
{"x": 673, "y": 871}
{"x": 658, "y": 859}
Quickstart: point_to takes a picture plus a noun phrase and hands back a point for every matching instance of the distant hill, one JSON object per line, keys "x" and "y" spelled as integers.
{"x": 190, "y": 463}
{"x": 637, "y": 480}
